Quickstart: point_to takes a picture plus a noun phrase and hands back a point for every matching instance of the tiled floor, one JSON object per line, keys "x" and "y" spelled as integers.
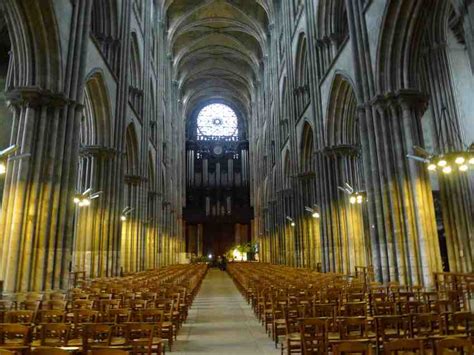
{"x": 221, "y": 322}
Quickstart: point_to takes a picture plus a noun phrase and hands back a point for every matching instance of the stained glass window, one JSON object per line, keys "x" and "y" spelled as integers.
{"x": 217, "y": 120}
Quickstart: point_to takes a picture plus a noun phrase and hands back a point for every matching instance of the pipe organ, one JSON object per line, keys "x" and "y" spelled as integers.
{"x": 218, "y": 190}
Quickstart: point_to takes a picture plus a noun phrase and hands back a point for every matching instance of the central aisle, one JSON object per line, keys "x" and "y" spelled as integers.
{"x": 221, "y": 322}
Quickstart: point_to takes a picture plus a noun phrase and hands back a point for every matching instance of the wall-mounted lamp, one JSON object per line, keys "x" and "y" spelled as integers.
{"x": 447, "y": 162}
{"x": 354, "y": 196}
{"x": 126, "y": 211}
{"x": 292, "y": 222}
{"x": 84, "y": 199}
{"x": 315, "y": 211}
{"x": 4, "y": 155}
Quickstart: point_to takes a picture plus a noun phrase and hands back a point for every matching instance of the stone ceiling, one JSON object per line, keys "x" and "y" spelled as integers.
{"x": 217, "y": 48}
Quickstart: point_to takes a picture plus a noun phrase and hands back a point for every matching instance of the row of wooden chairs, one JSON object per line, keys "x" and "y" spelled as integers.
{"x": 115, "y": 313}
{"x": 283, "y": 297}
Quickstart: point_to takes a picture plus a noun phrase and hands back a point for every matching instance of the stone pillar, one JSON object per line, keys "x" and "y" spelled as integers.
{"x": 408, "y": 235}
{"x": 36, "y": 222}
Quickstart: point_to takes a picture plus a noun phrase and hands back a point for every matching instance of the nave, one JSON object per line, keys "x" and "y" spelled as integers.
{"x": 195, "y": 309}
{"x": 221, "y": 322}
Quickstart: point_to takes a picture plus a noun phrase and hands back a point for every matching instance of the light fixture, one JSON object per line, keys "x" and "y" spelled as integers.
{"x": 3, "y": 157}
{"x": 447, "y": 169}
{"x": 84, "y": 199}
{"x": 354, "y": 196}
{"x": 210, "y": 256}
{"x": 292, "y": 222}
{"x": 314, "y": 211}
{"x": 125, "y": 212}
{"x": 456, "y": 153}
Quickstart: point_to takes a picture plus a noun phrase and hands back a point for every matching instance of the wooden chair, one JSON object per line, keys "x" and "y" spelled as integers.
{"x": 292, "y": 342}
{"x": 15, "y": 337}
{"x": 353, "y": 328}
{"x": 454, "y": 346}
{"x": 145, "y": 338}
{"x": 424, "y": 324}
{"x": 59, "y": 305}
{"x": 50, "y": 316}
{"x": 117, "y": 316}
{"x": 314, "y": 336}
{"x": 49, "y": 351}
{"x": 53, "y": 335}
{"x": 384, "y": 308}
{"x": 106, "y": 351}
{"x": 352, "y": 347}
{"x": 96, "y": 336}
{"x": 400, "y": 346}
{"x": 390, "y": 327}
{"x": 326, "y": 310}
{"x": 23, "y": 317}
{"x": 355, "y": 309}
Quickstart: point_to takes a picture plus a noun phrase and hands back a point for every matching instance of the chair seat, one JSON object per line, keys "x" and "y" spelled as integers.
{"x": 294, "y": 336}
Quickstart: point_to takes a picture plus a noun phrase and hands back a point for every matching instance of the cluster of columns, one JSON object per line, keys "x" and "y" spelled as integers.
{"x": 44, "y": 235}
{"x": 394, "y": 230}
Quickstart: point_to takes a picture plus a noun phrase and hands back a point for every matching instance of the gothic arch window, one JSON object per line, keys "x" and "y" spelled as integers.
{"x": 5, "y": 68}
{"x": 287, "y": 171}
{"x": 94, "y": 130}
{"x": 284, "y": 112}
{"x": 217, "y": 120}
{"x": 307, "y": 146}
{"x": 302, "y": 92}
{"x": 135, "y": 62}
{"x": 131, "y": 151}
{"x": 104, "y": 30}
{"x": 135, "y": 93}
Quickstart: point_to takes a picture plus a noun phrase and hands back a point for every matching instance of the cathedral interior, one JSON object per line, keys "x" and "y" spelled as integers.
{"x": 310, "y": 145}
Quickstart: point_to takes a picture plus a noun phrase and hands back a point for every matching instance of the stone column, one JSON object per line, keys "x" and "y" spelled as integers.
{"x": 37, "y": 210}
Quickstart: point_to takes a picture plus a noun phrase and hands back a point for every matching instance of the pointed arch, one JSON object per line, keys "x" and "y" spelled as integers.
{"x": 307, "y": 148}
{"x": 131, "y": 151}
{"x": 36, "y": 51}
{"x": 96, "y": 127}
{"x": 400, "y": 39}
{"x": 135, "y": 62}
{"x": 302, "y": 75}
{"x": 105, "y": 30}
{"x": 287, "y": 170}
{"x": 341, "y": 116}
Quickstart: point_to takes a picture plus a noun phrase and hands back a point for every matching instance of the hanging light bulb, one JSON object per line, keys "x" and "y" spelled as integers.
{"x": 352, "y": 199}
{"x": 86, "y": 202}
{"x": 359, "y": 199}
{"x": 76, "y": 200}
{"x": 463, "y": 167}
{"x": 442, "y": 163}
{"x": 292, "y": 224}
{"x": 459, "y": 160}
{"x": 3, "y": 168}
{"x": 471, "y": 161}
{"x": 447, "y": 170}
{"x": 432, "y": 167}
{"x": 123, "y": 218}
{"x": 315, "y": 215}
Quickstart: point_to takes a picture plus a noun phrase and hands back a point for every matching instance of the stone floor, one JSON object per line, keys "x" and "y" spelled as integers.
{"x": 221, "y": 322}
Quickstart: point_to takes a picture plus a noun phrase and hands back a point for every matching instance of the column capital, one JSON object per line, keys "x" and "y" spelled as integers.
{"x": 35, "y": 96}
{"x": 342, "y": 150}
{"x": 98, "y": 151}
{"x": 403, "y": 97}
{"x": 134, "y": 179}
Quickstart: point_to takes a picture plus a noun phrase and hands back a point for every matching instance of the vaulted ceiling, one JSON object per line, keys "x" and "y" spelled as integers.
{"x": 217, "y": 48}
